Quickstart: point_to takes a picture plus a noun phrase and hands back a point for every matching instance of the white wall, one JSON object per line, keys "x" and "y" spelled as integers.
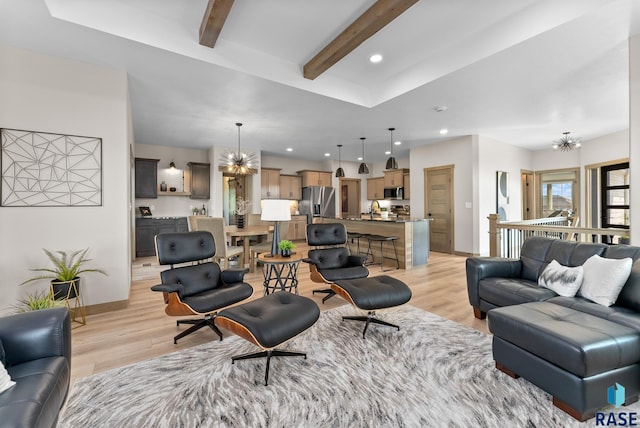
{"x": 460, "y": 153}
{"x": 51, "y": 94}
{"x": 496, "y": 156}
{"x": 634, "y": 135}
{"x": 172, "y": 206}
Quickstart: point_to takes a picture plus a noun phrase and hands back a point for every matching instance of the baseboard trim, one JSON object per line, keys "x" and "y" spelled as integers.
{"x": 106, "y": 307}
{"x": 465, "y": 254}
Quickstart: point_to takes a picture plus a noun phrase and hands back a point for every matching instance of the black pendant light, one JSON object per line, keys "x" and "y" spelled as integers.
{"x": 363, "y": 168}
{"x": 391, "y": 162}
{"x": 339, "y": 171}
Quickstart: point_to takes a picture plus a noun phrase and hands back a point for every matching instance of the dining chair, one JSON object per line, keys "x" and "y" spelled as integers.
{"x": 224, "y": 252}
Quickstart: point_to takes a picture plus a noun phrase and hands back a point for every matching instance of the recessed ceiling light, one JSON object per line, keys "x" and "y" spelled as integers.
{"x": 375, "y": 58}
{"x": 359, "y": 158}
{"x": 440, "y": 109}
{"x": 397, "y": 143}
{"x": 444, "y": 131}
{"x": 327, "y": 154}
{"x": 388, "y": 152}
{"x": 289, "y": 149}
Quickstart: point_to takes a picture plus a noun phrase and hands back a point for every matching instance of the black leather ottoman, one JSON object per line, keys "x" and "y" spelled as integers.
{"x": 371, "y": 294}
{"x": 268, "y": 322}
{"x": 572, "y": 355}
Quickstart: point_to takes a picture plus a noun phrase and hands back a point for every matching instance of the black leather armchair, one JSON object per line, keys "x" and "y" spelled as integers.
{"x": 331, "y": 261}
{"x": 37, "y": 354}
{"x": 200, "y": 288}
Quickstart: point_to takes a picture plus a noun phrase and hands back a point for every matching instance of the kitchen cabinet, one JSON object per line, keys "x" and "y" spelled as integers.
{"x": 270, "y": 183}
{"x": 315, "y": 178}
{"x": 146, "y": 178}
{"x": 200, "y": 180}
{"x": 394, "y": 178}
{"x": 375, "y": 188}
{"x": 148, "y": 228}
{"x": 406, "y": 182}
{"x": 291, "y": 187}
{"x": 298, "y": 228}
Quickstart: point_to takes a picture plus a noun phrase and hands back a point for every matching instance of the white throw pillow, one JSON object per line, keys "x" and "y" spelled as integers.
{"x": 604, "y": 279}
{"x": 5, "y": 379}
{"x": 564, "y": 280}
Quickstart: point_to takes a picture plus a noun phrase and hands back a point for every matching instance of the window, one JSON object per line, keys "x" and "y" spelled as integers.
{"x": 558, "y": 193}
{"x": 614, "y": 196}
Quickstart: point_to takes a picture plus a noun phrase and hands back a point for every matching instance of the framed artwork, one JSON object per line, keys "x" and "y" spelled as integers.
{"x": 502, "y": 195}
{"x": 49, "y": 170}
{"x": 145, "y": 211}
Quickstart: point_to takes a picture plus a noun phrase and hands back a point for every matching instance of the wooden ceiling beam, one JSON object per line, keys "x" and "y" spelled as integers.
{"x": 213, "y": 21}
{"x": 369, "y": 23}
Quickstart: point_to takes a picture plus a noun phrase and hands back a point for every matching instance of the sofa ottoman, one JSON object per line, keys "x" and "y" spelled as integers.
{"x": 573, "y": 355}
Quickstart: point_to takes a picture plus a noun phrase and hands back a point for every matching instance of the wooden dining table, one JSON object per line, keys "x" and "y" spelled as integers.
{"x": 247, "y": 232}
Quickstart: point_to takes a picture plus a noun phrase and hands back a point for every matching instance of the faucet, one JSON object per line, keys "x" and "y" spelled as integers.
{"x": 377, "y": 205}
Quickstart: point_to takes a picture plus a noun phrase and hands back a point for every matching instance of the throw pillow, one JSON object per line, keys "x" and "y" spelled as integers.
{"x": 5, "y": 379}
{"x": 564, "y": 280}
{"x": 604, "y": 279}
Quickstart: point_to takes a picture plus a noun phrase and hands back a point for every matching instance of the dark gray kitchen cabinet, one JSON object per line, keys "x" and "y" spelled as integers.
{"x": 200, "y": 180}
{"x": 146, "y": 177}
{"x": 148, "y": 228}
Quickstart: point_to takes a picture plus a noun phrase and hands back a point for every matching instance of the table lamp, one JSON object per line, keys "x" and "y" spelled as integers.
{"x": 275, "y": 210}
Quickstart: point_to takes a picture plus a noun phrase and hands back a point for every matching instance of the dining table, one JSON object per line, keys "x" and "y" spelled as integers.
{"x": 246, "y": 233}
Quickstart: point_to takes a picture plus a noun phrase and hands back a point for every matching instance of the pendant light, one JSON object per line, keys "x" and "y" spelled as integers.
{"x": 339, "y": 171}
{"x": 239, "y": 163}
{"x": 391, "y": 162}
{"x": 363, "y": 168}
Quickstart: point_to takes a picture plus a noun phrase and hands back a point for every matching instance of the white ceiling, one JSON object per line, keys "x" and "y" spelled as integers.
{"x": 519, "y": 71}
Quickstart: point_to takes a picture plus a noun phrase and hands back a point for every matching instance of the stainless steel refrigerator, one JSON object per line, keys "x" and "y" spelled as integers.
{"x": 318, "y": 201}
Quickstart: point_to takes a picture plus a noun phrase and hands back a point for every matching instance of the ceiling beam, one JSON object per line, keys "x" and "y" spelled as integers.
{"x": 369, "y": 23}
{"x": 213, "y": 21}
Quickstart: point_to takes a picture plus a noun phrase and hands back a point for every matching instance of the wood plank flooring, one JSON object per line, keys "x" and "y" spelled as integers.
{"x": 143, "y": 330}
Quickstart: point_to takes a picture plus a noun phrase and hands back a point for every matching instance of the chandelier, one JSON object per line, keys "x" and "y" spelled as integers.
{"x": 566, "y": 143}
{"x": 239, "y": 163}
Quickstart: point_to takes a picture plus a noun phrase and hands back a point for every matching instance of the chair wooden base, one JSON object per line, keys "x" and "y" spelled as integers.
{"x": 268, "y": 353}
{"x": 370, "y": 318}
{"x": 197, "y": 325}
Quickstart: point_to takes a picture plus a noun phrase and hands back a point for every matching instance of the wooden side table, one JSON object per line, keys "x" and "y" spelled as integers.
{"x": 280, "y": 273}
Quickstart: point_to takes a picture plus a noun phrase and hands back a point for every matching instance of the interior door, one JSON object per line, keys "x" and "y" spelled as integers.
{"x": 528, "y": 192}
{"x": 350, "y": 198}
{"x": 439, "y": 207}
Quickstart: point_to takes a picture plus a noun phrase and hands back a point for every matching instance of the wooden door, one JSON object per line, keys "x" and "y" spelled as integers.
{"x": 528, "y": 195}
{"x": 350, "y": 197}
{"x": 439, "y": 207}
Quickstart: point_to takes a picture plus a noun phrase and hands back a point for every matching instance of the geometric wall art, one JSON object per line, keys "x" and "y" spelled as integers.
{"x": 502, "y": 195}
{"x": 50, "y": 170}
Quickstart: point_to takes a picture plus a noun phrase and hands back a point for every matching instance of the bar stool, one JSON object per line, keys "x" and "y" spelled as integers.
{"x": 351, "y": 236}
{"x": 382, "y": 239}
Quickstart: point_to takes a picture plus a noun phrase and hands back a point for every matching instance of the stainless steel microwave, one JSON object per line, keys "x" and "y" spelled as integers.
{"x": 394, "y": 193}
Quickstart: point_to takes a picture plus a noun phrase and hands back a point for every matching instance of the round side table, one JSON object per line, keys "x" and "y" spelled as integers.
{"x": 280, "y": 273}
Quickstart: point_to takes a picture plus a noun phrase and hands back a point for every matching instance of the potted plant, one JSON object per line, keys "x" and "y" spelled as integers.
{"x": 38, "y": 300}
{"x": 286, "y": 247}
{"x": 242, "y": 209}
{"x": 65, "y": 273}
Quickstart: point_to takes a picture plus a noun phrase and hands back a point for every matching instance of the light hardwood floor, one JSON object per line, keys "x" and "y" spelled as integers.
{"x": 143, "y": 330}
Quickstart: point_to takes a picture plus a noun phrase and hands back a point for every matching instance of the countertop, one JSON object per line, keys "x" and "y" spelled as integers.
{"x": 388, "y": 220}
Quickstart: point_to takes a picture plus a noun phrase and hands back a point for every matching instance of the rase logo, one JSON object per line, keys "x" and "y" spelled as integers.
{"x": 616, "y": 397}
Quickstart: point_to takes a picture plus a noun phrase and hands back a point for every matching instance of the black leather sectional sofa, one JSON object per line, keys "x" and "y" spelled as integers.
{"x": 571, "y": 347}
{"x": 37, "y": 355}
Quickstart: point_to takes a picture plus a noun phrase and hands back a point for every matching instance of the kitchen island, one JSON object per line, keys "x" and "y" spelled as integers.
{"x": 412, "y": 234}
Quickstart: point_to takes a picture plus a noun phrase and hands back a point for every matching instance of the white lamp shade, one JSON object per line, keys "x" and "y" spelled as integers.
{"x": 275, "y": 210}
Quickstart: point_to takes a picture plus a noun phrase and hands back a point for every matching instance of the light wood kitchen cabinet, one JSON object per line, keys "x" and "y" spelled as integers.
{"x": 270, "y": 183}
{"x": 298, "y": 228}
{"x": 315, "y": 178}
{"x": 375, "y": 188}
{"x": 407, "y": 182}
{"x": 394, "y": 178}
{"x": 291, "y": 187}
